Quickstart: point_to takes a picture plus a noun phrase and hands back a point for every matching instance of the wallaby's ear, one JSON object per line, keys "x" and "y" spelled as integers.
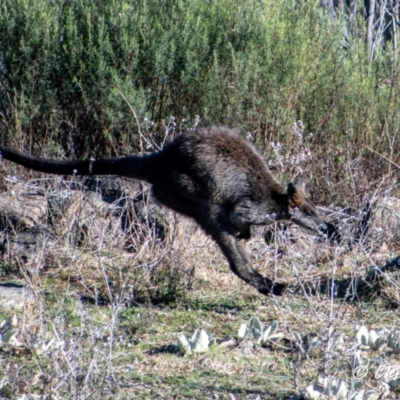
{"x": 296, "y": 193}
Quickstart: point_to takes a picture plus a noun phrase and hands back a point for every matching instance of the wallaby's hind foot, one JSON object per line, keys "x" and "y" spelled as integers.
{"x": 269, "y": 287}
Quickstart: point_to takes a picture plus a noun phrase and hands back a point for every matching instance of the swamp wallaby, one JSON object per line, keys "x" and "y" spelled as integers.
{"x": 213, "y": 176}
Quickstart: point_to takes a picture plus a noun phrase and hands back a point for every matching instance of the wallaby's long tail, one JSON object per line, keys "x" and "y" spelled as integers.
{"x": 131, "y": 166}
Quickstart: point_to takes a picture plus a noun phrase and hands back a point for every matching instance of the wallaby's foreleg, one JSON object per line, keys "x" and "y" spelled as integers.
{"x": 214, "y": 219}
{"x": 245, "y": 214}
{"x": 216, "y": 222}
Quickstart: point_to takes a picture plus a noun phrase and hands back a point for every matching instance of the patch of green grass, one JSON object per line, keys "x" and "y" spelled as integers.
{"x": 145, "y": 356}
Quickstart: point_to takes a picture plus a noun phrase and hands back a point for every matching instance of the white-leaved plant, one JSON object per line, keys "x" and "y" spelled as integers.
{"x": 9, "y": 332}
{"x": 371, "y": 339}
{"x": 199, "y": 343}
{"x": 255, "y": 330}
{"x": 335, "y": 389}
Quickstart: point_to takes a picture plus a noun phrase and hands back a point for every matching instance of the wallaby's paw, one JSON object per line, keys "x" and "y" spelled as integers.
{"x": 268, "y": 287}
{"x": 243, "y": 236}
{"x": 279, "y": 289}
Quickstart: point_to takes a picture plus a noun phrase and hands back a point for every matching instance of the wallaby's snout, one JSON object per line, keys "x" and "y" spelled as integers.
{"x": 302, "y": 211}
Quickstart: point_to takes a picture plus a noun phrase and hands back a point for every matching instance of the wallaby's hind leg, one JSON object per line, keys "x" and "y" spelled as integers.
{"x": 215, "y": 221}
{"x": 177, "y": 203}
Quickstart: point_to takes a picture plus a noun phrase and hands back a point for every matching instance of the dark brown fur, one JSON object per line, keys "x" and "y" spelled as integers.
{"x": 213, "y": 176}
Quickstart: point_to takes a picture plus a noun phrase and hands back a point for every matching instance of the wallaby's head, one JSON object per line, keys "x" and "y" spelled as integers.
{"x": 302, "y": 211}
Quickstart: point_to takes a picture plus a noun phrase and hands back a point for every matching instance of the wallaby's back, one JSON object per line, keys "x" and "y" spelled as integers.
{"x": 217, "y": 165}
